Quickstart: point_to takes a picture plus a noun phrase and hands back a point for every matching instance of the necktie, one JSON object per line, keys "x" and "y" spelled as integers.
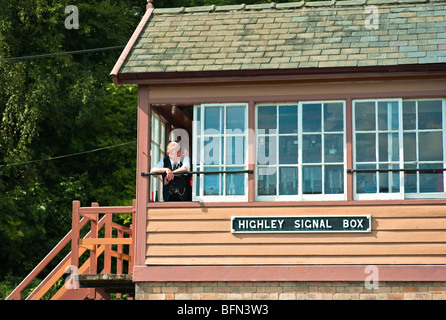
{"x": 175, "y": 166}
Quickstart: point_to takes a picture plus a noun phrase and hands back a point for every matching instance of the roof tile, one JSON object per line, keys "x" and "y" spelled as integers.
{"x": 290, "y": 35}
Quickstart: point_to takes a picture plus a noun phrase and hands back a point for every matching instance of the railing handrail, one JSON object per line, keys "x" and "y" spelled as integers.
{"x": 198, "y": 172}
{"x": 84, "y": 215}
{"x": 17, "y": 292}
{"x": 409, "y": 170}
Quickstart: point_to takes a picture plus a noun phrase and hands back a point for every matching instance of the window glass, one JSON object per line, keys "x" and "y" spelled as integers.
{"x": 334, "y": 148}
{"x": 309, "y": 147}
{"x": 311, "y": 117}
{"x": 429, "y": 114}
{"x": 220, "y": 145}
{"x": 213, "y": 119}
{"x": 235, "y": 119}
{"x": 266, "y": 118}
{"x": 289, "y": 178}
{"x": 333, "y": 117}
{"x": 288, "y": 149}
{"x": 365, "y": 116}
{"x": 396, "y": 140}
{"x": 288, "y": 119}
{"x": 377, "y": 147}
{"x": 312, "y": 179}
{"x": 423, "y": 147}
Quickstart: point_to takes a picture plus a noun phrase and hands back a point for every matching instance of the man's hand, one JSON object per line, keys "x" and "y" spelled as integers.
{"x": 169, "y": 176}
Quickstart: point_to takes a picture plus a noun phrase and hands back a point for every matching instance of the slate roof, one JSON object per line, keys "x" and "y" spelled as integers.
{"x": 290, "y": 35}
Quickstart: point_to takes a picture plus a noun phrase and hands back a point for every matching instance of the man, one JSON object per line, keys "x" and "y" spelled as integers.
{"x": 176, "y": 186}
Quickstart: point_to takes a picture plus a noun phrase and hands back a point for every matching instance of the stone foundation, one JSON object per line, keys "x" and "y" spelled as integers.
{"x": 289, "y": 290}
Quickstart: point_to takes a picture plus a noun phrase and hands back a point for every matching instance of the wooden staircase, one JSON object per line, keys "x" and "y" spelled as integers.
{"x": 112, "y": 250}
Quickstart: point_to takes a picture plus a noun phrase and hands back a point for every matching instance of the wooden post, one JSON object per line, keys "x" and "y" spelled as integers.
{"x": 75, "y": 235}
{"x": 142, "y": 183}
{"x": 93, "y": 252}
{"x": 119, "y": 260}
{"x": 132, "y": 235}
{"x": 108, "y": 234}
{"x": 94, "y": 235}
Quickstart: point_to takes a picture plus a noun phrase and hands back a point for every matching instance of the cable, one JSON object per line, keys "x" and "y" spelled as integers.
{"x": 67, "y": 155}
{"x": 46, "y": 55}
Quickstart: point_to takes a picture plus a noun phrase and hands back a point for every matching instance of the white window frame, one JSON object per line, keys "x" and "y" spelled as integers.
{"x": 427, "y": 195}
{"x": 401, "y": 195}
{"x": 377, "y": 195}
{"x": 198, "y": 155}
{"x": 300, "y": 196}
{"x": 157, "y": 152}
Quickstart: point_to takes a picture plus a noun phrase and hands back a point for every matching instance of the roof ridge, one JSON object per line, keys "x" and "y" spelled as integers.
{"x": 287, "y": 5}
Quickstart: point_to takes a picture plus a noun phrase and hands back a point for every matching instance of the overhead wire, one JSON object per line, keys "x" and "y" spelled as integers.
{"x": 48, "y": 55}
{"x": 67, "y": 155}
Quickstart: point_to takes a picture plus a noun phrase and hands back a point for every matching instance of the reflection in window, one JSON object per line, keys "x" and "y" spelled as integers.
{"x": 376, "y": 125}
{"x": 220, "y": 144}
{"x": 300, "y": 150}
{"x": 393, "y": 135}
{"x": 423, "y": 145}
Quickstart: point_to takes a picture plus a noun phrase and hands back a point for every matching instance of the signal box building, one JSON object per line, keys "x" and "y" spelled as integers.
{"x": 316, "y": 133}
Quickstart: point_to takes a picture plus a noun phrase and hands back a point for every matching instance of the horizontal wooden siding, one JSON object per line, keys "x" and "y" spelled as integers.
{"x": 401, "y": 234}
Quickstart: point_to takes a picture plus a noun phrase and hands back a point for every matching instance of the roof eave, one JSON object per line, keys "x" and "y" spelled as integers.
{"x": 280, "y": 74}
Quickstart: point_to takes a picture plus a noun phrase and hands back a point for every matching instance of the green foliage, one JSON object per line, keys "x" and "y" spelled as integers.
{"x": 56, "y": 106}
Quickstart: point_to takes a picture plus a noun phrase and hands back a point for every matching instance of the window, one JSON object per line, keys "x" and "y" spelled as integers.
{"x": 424, "y": 147}
{"x": 391, "y": 135}
{"x": 220, "y": 144}
{"x": 300, "y": 151}
{"x": 157, "y": 152}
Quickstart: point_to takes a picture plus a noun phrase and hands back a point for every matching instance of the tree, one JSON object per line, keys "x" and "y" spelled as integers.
{"x": 56, "y": 106}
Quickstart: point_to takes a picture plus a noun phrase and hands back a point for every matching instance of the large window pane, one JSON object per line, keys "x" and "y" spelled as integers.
{"x": 334, "y": 148}
{"x": 311, "y": 148}
{"x": 235, "y": 150}
{"x": 365, "y": 147}
{"x": 266, "y": 118}
{"x": 288, "y": 180}
{"x": 334, "y": 179}
{"x": 388, "y": 115}
{"x": 312, "y": 117}
{"x": 312, "y": 179}
{"x": 366, "y": 181}
{"x": 431, "y": 182}
{"x": 213, "y": 119}
{"x": 266, "y": 181}
{"x": 409, "y": 115}
{"x": 287, "y": 119}
{"x": 288, "y": 149}
{"x": 410, "y": 147}
{"x": 333, "y": 117}
{"x": 212, "y": 183}
{"x": 235, "y": 119}
{"x": 429, "y": 114}
{"x": 235, "y": 183}
{"x": 430, "y": 146}
{"x": 364, "y": 116}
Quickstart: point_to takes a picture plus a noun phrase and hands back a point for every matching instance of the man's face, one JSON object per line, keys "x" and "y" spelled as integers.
{"x": 175, "y": 153}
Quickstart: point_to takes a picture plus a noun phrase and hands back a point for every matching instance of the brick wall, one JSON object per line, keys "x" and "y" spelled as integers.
{"x": 289, "y": 290}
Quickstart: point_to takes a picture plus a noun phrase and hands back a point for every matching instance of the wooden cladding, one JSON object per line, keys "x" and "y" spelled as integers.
{"x": 401, "y": 234}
